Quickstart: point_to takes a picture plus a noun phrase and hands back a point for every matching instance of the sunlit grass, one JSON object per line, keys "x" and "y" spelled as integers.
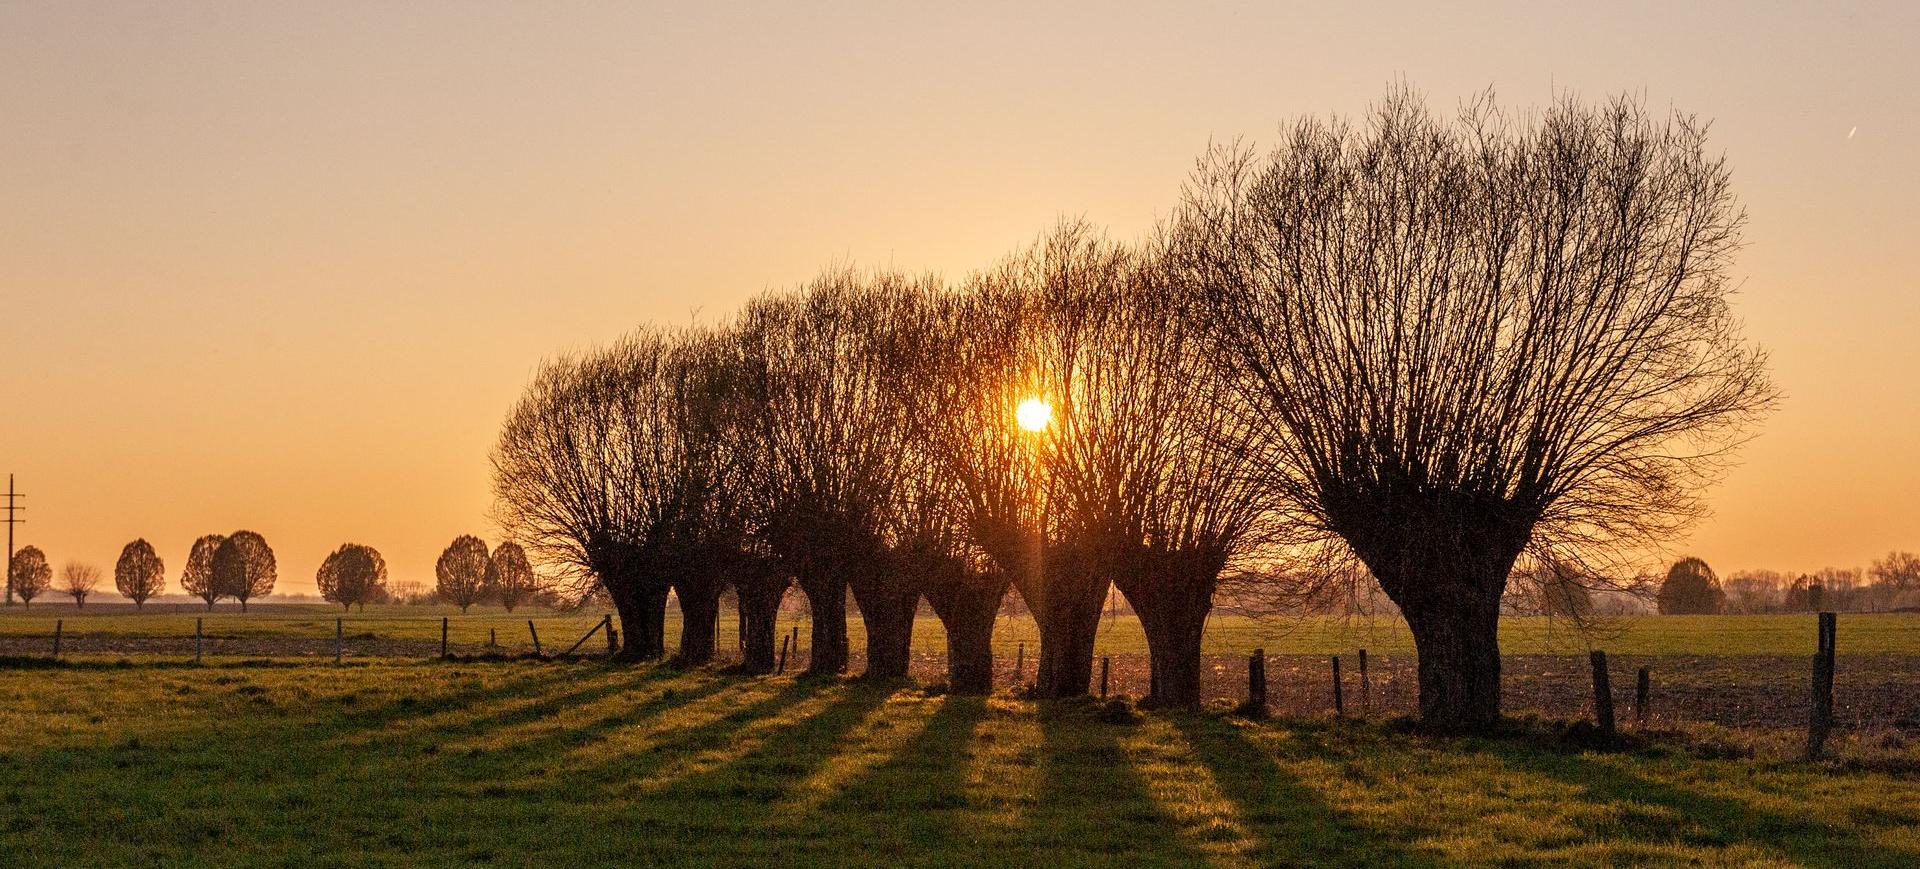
{"x": 405, "y": 762}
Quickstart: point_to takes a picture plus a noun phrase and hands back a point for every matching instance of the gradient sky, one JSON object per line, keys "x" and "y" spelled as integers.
{"x": 285, "y": 266}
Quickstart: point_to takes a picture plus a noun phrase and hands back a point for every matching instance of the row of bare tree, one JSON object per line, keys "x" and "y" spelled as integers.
{"x": 1442, "y": 353}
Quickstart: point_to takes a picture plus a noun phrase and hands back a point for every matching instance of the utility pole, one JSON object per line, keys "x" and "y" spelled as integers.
{"x": 12, "y": 519}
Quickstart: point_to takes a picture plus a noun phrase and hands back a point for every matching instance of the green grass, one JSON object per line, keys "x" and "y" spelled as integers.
{"x": 428, "y": 763}
{"x": 1882, "y": 634}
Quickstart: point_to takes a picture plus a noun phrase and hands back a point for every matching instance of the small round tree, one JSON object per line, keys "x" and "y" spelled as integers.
{"x": 462, "y": 571}
{"x": 243, "y": 567}
{"x": 353, "y": 574}
{"x": 509, "y": 578}
{"x": 31, "y": 574}
{"x": 139, "y": 574}
{"x": 79, "y": 580}
{"x": 1691, "y": 588}
{"x": 197, "y": 577}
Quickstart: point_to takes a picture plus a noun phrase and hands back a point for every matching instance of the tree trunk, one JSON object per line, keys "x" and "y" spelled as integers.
{"x": 1172, "y": 605}
{"x": 967, "y": 610}
{"x": 699, "y": 618}
{"x": 827, "y": 604}
{"x": 1066, "y": 603}
{"x": 759, "y": 612}
{"x": 1457, "y": 637}
{"x": 888, "y": 602}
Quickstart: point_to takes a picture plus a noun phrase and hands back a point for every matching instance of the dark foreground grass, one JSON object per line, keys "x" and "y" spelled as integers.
{"x": 568, "y": 764}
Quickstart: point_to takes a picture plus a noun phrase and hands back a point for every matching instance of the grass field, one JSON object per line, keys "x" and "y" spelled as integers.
{"x": 1860, "y": 634}
{"x": 393, "y": 762}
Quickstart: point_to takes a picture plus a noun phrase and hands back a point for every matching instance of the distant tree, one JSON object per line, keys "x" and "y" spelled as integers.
{"x": 1896, "y": 574}
{"x": 243, "y": 567}
{"x": 31, "y": 574}
{"x": 197, "y": 577}
{"x": 139, "y": 574}
{"x": 353, "y": 574}
{"x": 462, "y": 571}
{"x": 508, "y": 577}
{"x": 1806, "y": 594}
{"x": 79, "y": 580}
{"x": 1543, "y": 586}
{"x": 1755, "y": 591}
{"x": 1691, "y": 588}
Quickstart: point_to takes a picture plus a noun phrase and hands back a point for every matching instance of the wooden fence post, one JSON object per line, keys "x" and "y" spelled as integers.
{"x": 1257, "y": 683}
{"x": 1106, "y": 666}
{"x": 58, "y": 626}
{"x": 784, "y": 643}
{"x": 1641, "y": 688}
{"x": 443, "y": 636}
{"x": 1366, "y": 687}
{"x": 1339, "y": 703}
{"x": 196, "y": 639}
{"x": 1602, "y": 693}
{"x": 536, "y": 636}
{"x": 339, "y": 639}
{"x": 493, "y": 638}
{"x": 1019, "y": 663}
{"x": 1820, "y": 723}
{"x": 613, "y": 646}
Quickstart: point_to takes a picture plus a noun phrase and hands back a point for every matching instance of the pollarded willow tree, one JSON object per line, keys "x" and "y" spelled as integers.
{"x": 1141, "y": 477}
{"x": 243, "y": 568}
{"x": 196, "y": 578}
{"x": 1459, "y": 339}
{"x": 828, "y": 441}
{"x": 139, "y": 573}
{"x": 460, "y": 573}
{"x": 78, "y": 581}
{"x": 353, "y": 574}
{"x": 961, "y": 375}
{"x": 606, "y": 467}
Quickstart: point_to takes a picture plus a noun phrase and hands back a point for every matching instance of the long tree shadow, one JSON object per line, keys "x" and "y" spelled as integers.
{"x": 919, "y": 793}
{"x": 1090, "y": 801}
{"x": 1290, "y": 822}
{"x": 671, "y": 740}
{"x": 1689, "y": 816}
{"x": 724, "y": 813}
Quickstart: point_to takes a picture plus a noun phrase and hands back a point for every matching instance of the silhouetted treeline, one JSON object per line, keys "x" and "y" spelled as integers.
{"x": 1449, "y": 356}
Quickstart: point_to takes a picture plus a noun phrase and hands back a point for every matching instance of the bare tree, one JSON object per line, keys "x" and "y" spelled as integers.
{"x": 830, "y": 446}
{"x": 79, "y": 580}
{"x": 243, "y": 567}
{"x": 509, "y": 578}
{"x": 1895, "y": 575}
{"x": 961, "y": 365}
{"x": 1459, "y": 340}
{"x": 462, "y": 571}
{"x": 139, "y": 574}
{"x": 605, "y": 469}
{"x": 32, "y": 575}
{"x": 196, "y": 578}
{"x": 353, "y": 574}
{"x": 1755, "y": 591}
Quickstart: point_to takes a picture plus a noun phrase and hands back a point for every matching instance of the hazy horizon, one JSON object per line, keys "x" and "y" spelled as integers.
{"x": 276, "y": 267}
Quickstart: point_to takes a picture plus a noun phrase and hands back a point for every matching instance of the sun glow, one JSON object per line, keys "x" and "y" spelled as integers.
{"x": 1033, "y": 414}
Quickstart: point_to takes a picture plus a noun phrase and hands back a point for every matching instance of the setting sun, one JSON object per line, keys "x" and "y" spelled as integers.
{"x": 1033, "y": 414}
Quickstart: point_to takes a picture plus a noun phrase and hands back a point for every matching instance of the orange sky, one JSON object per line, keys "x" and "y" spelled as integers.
{"x": 285, "y": 266}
